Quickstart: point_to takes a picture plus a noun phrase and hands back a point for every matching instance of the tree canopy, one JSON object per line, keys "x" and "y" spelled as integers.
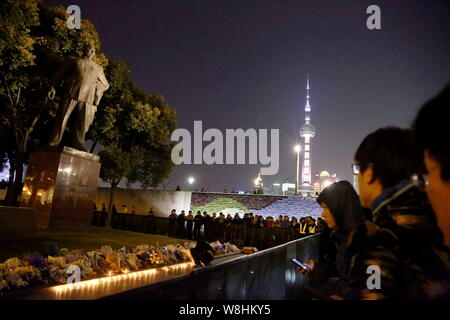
{"x": 134, "y": 127}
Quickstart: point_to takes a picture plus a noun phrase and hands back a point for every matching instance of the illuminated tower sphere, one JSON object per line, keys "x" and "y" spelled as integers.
{"x": 259, "y": 182}
{"x": 307, "y": 132}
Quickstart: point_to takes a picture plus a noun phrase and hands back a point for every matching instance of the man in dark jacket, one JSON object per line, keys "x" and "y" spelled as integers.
{"x": 181, "y": 229}
{"x": 206, "y": 225}
{"x": 198, "y": 221}
{"x": 406, "y": 245}
{"x": 172, "y": 223}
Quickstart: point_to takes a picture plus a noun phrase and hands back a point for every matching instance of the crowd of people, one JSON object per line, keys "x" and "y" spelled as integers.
{"x": 192, "y": 226}
{"x": 404, "y": 184}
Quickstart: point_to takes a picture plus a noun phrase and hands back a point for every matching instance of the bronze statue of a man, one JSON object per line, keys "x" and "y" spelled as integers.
{"x": 83, "y": 83}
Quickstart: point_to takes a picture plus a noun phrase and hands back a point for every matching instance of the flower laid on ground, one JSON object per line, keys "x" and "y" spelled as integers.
{"x": 34, "y": 269}
{"x": 224, "y": 248}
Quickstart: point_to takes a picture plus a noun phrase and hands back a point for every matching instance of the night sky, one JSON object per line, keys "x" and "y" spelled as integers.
{"x": 243, "y": 64}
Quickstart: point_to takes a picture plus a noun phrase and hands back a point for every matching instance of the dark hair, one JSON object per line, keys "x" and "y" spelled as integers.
{"x": 433, "y": 131}
{"x": 394, "y": 154}
{"x": 344, "y": 205}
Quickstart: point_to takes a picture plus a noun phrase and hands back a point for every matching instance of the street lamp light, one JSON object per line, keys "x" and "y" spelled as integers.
{"x": 191, "y": 180}
{"x": 297, "y": 149}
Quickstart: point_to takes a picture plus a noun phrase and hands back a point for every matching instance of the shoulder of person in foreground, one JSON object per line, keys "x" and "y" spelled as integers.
{"x": 389, "y": 268}
{"x": 426, "y": 259}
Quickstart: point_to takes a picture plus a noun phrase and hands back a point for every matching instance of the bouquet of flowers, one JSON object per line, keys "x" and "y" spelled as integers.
{"x": 34, "y": 268}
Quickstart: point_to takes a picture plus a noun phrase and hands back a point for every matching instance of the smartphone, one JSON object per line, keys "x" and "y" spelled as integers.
{"x": 299, "y": 264}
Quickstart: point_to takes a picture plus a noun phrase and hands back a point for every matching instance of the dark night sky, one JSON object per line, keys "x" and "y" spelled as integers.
{"x": 243, "y": 64}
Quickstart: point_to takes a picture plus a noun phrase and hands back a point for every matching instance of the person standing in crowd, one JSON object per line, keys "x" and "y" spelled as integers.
{"x": 124, "y": 209}
{"x": 406, "y": 246}
{"x": 114, "y": 209}
{"x": 278, "y": 221}
{"x": 283, "y": 233}
{"x": 251, "y": 231}
{"x": 303, "y": 227}
{"x": 213, "y": 227}
{"x": 320, "y": 226}
{"x": 198, "y": 219}
{"x": 262, "y": 222}
{"x": 206, "y": 225}
{"x": 269, "y": 222}
{"x": 311, "y": 226}
{"x": 432, "y": 130}
{"x": 103, "y": 208}
{"x": 133, "y": 210}
{"x": 285, "y": 223}
{"x": 237, "y": 230}
{"x": 343, "y": 214}
{"x": 259, "y": 238}
{"x": 181, "y": 229}
{"x": 172, "y": 223}
{"x": 294, "y": 228}
{"x": 150, "y": 212}
{"x": 189, "y": 225}
{"x": 246, "y": 219}
{"x": 237, "y": 219}
{"x": 294, "y": 221}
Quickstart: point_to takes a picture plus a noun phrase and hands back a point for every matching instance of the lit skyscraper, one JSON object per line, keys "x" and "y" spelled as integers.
{"x": 307, "y": 132}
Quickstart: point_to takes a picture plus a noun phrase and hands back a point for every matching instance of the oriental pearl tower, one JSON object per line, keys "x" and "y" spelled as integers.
{"x": 307, "y": 132}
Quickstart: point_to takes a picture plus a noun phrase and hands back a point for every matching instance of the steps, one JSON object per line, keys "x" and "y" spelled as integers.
{"x": 291, "y": 206}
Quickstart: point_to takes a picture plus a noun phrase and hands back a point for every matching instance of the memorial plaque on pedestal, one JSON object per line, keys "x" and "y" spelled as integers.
{"x": 62, "y": 187}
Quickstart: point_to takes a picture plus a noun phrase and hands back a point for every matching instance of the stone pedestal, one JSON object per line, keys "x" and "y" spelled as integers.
{"x": 61, "y": 186}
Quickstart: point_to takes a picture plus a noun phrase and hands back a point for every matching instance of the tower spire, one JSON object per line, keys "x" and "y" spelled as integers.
{"x": 307, "y": 132}
{"x": 307, "y": 106}
{"x": 307, "y": 89}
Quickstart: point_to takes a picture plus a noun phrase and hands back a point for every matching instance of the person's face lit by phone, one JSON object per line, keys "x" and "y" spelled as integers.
{"x": 327, "y": 216}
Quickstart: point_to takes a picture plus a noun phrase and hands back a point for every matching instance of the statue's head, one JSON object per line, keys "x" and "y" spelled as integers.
{"x": 89, "y": 51}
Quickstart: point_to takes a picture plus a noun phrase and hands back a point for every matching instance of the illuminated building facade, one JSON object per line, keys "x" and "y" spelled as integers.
{"x": 323, "y": 181}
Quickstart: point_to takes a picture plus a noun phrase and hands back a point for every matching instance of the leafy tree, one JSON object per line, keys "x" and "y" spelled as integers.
{"x": 33, "y": 39}
{"x": 134, "y": 127}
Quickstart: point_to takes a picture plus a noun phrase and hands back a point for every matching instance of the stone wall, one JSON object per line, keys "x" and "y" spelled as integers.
{"x": 162, "y": 201}
{"x": 231, "y": 202}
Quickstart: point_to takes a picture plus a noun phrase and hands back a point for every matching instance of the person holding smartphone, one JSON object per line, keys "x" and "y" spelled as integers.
{"x": 345, "y": 226}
